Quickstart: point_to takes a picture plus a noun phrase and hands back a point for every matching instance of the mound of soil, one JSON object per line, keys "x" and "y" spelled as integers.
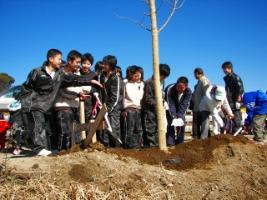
{"x": 195, "y": 154}
{"x": 221, "y": 167}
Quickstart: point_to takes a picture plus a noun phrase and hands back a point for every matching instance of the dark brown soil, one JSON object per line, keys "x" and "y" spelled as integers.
{"x": 97, "y": 146}
{"x": 195, "y": 154}
{"x": 76, "y": 148}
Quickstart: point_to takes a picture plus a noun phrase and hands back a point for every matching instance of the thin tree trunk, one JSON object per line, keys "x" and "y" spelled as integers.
{"x": 159, "y": 104}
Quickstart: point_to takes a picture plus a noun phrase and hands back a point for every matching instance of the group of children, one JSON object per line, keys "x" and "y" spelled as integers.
{"x": 50, "y": 99}
{"x": 51, "y": 94}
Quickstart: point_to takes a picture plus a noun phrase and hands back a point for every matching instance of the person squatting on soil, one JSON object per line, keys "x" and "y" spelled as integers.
{"x": 67, "y": 104}
{"x": 256, "y": 105}
{"x": 234, "y": 90}
{"x": 178, "y": 97}
{"x": 112, "y": 96}
{"x": 132, "y": 97}
{"x": 200, "y": 90}
{"x": 38, "y": 95}
{"x": 211, "y": 104}
{"x": 149, "y": 107}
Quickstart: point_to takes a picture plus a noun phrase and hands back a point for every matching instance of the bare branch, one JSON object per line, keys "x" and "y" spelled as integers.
{"x": 159, "y": 7}
{"x": 139, "y": 23}
{"x": 146, "y": 1}
{"x": 175, "y": 6}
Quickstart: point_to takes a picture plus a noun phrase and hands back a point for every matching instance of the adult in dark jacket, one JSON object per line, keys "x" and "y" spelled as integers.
{"x": 39, "y": 92}
{"x": 112, "y": 95}
{"x": 178, "y": 97}
{"x": 149, "y": 107}
{"x": 234, "y": 91}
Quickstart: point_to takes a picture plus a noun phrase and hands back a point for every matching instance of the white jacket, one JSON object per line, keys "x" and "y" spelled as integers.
{"x": 208, "y": 103}
{"x": 133, "y": 94}
{"x": 68, "y": 97}
{"x": 200, "y": 90}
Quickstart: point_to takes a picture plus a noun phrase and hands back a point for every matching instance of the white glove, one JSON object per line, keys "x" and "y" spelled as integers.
{"x": 177, "y": 122}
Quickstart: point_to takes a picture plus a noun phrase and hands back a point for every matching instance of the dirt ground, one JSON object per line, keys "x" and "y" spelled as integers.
{"x": 221, "y": 167}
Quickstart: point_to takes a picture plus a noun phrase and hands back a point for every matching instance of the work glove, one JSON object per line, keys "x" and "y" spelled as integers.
{"x": 177, "y": 122}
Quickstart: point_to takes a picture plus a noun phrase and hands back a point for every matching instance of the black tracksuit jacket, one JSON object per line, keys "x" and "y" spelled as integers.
{"x": 40, "y": 89}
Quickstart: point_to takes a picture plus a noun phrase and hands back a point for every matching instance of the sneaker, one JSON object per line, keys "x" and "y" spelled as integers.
{"x": 44, "y": 152}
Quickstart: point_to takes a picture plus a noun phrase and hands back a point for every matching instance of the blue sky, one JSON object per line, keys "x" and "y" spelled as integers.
{"x": 201, "y": 34}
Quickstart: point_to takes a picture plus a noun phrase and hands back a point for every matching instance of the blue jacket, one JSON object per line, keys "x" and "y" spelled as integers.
{"x": 256, "y": 104}
{"x": 177, "y": 107}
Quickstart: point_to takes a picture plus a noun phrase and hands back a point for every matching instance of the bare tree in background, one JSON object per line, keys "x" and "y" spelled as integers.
{"x": 155, "y": 30}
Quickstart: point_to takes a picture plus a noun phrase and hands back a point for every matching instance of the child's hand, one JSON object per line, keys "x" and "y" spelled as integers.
{"x": 124, "y": 114}
{"x": 231, "y": 116}
{"x": 83, "y": 96}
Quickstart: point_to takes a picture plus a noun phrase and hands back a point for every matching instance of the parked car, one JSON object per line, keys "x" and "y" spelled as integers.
{"x": 7, "y": 98}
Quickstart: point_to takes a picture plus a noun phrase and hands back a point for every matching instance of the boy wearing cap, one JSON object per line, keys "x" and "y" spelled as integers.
{"x": 211, "y": 104}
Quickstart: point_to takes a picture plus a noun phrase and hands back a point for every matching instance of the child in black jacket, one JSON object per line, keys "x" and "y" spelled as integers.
{"x": 113, "y": 92}
{"x": 38, "y": 95}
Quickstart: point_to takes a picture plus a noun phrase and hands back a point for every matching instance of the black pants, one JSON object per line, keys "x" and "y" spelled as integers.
{"x": 196, "y": 125}
{"x": 24, "y": 128}
{"x": 175, "y": 135}
{"x": 105, "y": 137}
{"x": 42, "y": 130}
{"x": 150, "y": 127}
{"x": 133, "y": 131}
{"x": 65, "y": 119}
{"x": 88, "y": 105}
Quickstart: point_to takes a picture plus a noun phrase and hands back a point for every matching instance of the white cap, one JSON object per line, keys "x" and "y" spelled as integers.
{"x": 220, "y": 93}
